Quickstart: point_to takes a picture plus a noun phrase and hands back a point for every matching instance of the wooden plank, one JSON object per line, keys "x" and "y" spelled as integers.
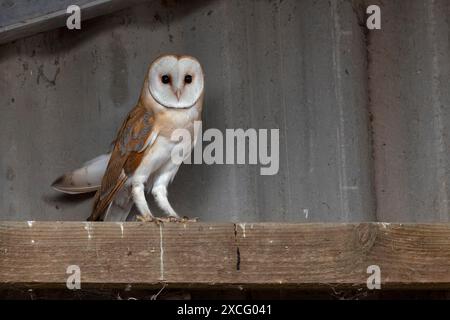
{"x": 203, "y": 255}
{"x": 57, "y": 18}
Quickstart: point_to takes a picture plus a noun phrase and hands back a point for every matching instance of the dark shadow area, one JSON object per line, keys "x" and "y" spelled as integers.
{"x": 225, "y": 294}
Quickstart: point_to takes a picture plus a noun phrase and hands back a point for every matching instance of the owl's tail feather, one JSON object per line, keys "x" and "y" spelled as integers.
{"x": 85, "y": 179}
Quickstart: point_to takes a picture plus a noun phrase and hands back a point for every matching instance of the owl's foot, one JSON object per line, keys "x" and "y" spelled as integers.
{"x": 174, "y": 219}
{"x": 148, "y": 218}
{"x": 178, "y": 219}
{"x": 171, "y": 219}
{"x": 187, "y": 219}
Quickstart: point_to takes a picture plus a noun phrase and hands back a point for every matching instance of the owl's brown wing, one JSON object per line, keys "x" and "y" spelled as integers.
{"x": 134, "y": 137}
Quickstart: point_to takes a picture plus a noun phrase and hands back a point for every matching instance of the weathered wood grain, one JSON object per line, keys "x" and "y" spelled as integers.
{"x": 138, "y": 255}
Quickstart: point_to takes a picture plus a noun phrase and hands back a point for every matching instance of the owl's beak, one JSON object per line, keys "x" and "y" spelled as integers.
{"x": 178, "y": 94}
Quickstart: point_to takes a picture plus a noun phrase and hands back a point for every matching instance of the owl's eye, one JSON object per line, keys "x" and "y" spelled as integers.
{"x": 165, "y": 79}
{"x": 188, "y": 78}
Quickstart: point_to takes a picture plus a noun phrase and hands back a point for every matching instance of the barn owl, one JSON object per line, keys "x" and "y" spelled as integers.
{"x": 171, "y": 99}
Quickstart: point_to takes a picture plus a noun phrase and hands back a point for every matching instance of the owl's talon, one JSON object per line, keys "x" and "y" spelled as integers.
{"x": 178, "y": 219}
{"x": 187, "y": 219}
{"x": 170, "y": 219}
{"x": 146, "y": 218}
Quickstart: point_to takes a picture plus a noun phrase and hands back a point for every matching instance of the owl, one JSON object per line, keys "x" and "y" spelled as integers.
{"x": 140, "y": 161}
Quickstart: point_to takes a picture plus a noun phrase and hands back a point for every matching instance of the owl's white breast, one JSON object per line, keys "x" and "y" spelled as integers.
{"x": 158, "y": 154}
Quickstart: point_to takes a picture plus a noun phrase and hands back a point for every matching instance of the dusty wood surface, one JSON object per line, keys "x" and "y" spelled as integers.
{"x": 205, "y": 255}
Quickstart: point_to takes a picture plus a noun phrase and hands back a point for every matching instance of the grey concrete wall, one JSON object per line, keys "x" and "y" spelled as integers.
{"x": 410, "y": 103}
{"x": 299, "y": 66}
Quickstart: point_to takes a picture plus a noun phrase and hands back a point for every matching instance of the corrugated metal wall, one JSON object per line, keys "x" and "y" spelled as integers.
{"x": 410, "y": 101}
{"x": 309, "y": 68}
{"x": 13, "y": 11}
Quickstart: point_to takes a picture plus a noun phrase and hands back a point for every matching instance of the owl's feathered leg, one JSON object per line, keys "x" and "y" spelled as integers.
{"x": 159, "y": 190}
{"x": 138, "y": 195}
{"x": 162, "y": 178}
{"x": 160, "y": 194}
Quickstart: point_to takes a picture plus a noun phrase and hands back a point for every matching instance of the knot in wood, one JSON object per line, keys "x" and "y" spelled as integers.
{"x": 366, "y": 235}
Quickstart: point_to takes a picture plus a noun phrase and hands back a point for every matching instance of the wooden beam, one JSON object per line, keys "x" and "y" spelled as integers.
{"x": 247, "y": 255}
{"x": 56, "y": 17}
